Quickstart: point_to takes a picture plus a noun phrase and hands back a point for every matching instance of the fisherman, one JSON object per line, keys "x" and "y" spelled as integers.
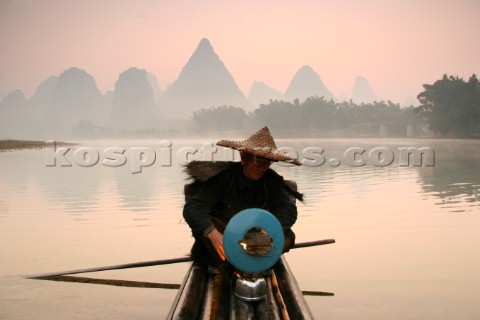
{"x": 250, "y": 183}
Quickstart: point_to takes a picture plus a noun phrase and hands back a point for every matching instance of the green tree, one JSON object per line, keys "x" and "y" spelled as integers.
{"x": 278, "y": 115}
{"x": 452, "y": 106}
{"x": 317, "y": 113}
{"x": 219, "y": 119}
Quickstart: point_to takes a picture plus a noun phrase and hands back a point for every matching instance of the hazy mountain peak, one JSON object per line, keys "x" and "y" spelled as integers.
{"x": 260, "y": 93}
{"x": 307, "y": 69}
{"x": 75, "y": 98}
{"x": 204, "y": 55}
{"x": 14, "y": 99}
{"x": 74, "y": 72}
{"x": 204, "y": 82}
{"x": 205, "y": 45}
{"x": 307, "y": 83}
{"x": 16, "y": 118}
{"x": 75, "y": 82}
{"x": 43, "y": 93}
{"x": 362, "y": 91}
{"x": 133, "y": 100}
{"x": 133, "y": 74}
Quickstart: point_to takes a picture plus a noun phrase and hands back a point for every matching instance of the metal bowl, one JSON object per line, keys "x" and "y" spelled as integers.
{"x": 250, "y": 289}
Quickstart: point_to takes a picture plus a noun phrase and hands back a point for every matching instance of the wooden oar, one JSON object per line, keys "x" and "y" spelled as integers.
{"x": 318, "y": 293}
{"x": 115, "y": 267}
{"x": 112, "y": 282}
{"x": 142, "y": 284}
{"x": 312, "y": 243}
{"x": 156, "y": 262}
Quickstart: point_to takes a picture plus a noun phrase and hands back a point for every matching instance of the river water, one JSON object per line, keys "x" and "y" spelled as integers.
{"x": 407, "y": 234}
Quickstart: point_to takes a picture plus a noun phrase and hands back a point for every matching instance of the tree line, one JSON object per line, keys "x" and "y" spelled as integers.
{"x": 450, "y": 107}
{"x": 315, "y": 115}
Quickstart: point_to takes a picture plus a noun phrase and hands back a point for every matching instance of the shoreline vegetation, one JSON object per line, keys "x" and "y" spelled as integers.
{"x": 10, "y": 144}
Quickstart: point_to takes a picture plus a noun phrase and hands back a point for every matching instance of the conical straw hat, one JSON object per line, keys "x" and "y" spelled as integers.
{"x": 261, "y": 144}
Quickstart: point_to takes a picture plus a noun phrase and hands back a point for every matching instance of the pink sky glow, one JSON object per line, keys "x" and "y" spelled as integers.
{"x": 397, "y": 45}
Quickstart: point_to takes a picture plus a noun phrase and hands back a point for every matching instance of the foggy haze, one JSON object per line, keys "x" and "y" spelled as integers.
{"x": 396, "y": 45}
{"x": 71, "y": 105}
{"x": 391, "y": 49}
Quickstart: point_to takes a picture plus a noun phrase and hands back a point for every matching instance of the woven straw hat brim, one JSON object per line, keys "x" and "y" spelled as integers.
{"x": 266, "y": 152}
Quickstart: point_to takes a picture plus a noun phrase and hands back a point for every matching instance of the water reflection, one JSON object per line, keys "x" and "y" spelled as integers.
{"x": 455, "y": 179}
{"x": 3, "y": 208}
{"x": 77, "y": 189}
{"x": 137, "y": 192}
{"x": 389, "y": 222}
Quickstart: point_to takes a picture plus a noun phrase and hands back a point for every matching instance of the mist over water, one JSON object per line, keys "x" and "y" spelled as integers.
{"x": 406, "y": 236}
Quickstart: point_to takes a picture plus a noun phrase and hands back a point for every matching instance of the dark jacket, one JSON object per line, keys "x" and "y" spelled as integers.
{"x": 230, "y": 192}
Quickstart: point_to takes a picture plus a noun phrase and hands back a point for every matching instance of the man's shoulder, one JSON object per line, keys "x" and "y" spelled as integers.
{"x": 203, "y": 171}
{"x": 275, "y": 180}
{"x": 208, "y": 175}
{"x": 272, "y": 175}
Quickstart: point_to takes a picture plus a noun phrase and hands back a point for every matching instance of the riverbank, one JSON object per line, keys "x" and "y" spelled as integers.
{"x": 7, "y": 145}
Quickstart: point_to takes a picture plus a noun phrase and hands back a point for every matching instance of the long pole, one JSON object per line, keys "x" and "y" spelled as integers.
{"x": 114, "y": 267}
{"x": 156, "y": 262}
{"x": 313, "y": 243}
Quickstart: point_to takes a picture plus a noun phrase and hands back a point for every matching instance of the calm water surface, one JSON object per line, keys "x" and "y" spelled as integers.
{"x": 407, "y": 237}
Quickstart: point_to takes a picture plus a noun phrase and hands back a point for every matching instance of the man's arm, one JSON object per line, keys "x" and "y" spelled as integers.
{"x": 197, "y": 214}
{"x": 197, "y": 209}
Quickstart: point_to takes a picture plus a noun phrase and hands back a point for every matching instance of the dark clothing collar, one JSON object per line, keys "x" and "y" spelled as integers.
{"x": 245, "y": 182}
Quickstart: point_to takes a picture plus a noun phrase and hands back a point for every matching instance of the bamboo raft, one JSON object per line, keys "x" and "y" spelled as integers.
{"x": 207, "y": 295}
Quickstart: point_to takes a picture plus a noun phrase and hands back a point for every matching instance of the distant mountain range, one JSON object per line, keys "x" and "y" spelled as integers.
{"x": 72, "y": 103}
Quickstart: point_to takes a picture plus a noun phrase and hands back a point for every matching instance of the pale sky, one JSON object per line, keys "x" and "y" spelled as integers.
{"x": 397, "y": 45}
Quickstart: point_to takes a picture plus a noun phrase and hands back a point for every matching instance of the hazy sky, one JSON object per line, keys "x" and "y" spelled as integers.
{"x": 398, "y": 44}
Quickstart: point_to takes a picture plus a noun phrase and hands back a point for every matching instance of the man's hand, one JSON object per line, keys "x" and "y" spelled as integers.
{"x": 216, "y": 238}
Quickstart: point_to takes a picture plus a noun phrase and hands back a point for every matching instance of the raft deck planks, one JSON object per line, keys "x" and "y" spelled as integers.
{"x": 211, "y": 296}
